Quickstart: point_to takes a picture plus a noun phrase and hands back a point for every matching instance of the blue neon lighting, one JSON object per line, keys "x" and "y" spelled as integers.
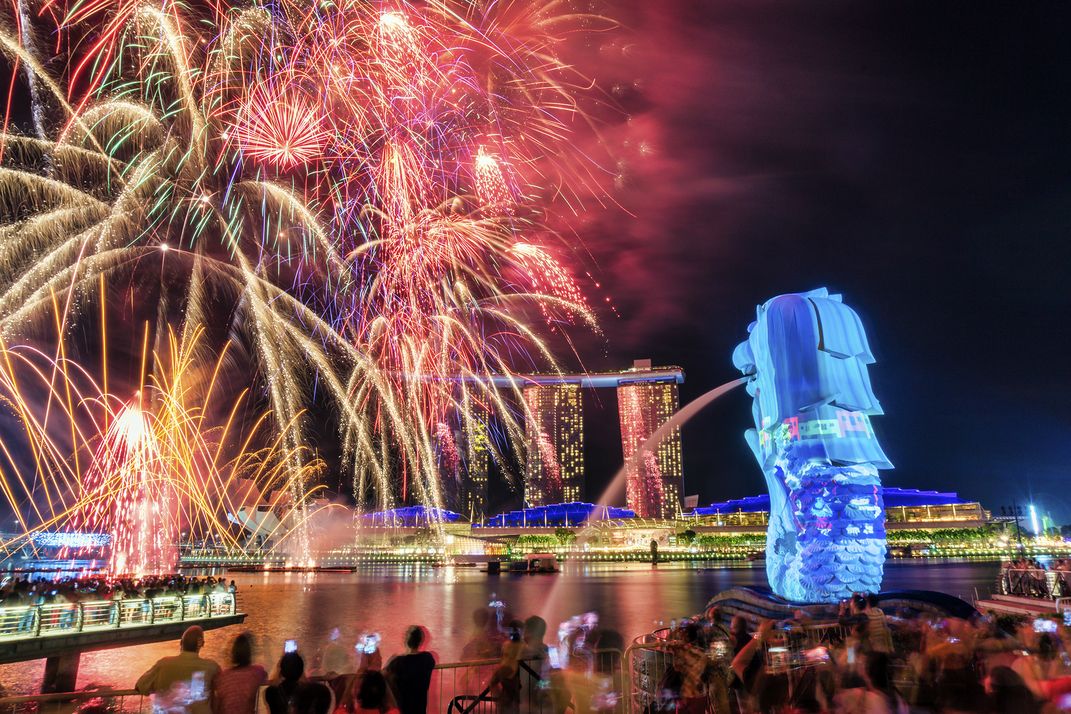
{"x": 806, "y": 358}
{"x": 558, "y": 515}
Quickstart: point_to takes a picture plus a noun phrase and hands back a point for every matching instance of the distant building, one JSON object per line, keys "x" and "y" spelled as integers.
{"x": 554, "y": 435}
{"x": 905, "y": 509}
{"x": 477, "y": 456}
{"x": 558, "y": 515}
{"x": 653, "y": 477}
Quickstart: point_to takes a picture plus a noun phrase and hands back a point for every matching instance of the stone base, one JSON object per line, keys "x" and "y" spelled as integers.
{"x": 756, "y": 604}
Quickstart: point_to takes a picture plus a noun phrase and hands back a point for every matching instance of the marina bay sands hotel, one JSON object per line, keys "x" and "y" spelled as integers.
{"x": 554, "y": 435}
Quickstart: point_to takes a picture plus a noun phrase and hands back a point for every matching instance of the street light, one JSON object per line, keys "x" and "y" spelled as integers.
{"x": 1014, "y": 511}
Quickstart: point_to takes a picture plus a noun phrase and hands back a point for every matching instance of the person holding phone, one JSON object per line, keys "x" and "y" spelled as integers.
{"x": 280, "y": 694}
{"x": 336, "y": 657}
{"x": 172, "y": 673}
{"x": 410, "y": 674}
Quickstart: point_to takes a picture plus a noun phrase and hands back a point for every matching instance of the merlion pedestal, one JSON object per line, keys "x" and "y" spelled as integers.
{"x": 806, "y": 358}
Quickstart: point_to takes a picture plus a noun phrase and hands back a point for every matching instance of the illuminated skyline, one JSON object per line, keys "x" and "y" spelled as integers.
{"x": 653, "y": 478}
{"x": 554, "y": 469}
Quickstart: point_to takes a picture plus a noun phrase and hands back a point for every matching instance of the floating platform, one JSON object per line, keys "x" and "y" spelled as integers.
{"x": 289, "y": 569}
{"x": 1031, "y": 606}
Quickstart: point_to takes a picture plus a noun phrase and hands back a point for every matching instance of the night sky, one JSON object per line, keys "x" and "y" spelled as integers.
{"x": 914, "y": 157}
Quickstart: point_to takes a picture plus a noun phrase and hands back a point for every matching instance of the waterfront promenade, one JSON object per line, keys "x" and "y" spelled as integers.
{"x": 61, "y": 632}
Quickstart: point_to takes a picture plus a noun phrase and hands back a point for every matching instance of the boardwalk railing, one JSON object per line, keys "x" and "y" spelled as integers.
{"x": 67, "y": 618}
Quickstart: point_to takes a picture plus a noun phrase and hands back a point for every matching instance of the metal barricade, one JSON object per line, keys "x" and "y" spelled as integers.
{"x": 609, "y": 663}
{"x": 1030, "y": 582}
{"x": 644, "y": 668}
{"x": 827, "y": 633}
{"x": 461, "y": 679}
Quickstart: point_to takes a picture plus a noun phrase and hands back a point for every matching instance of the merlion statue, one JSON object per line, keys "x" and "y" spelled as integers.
{"x": 806, "y": 360}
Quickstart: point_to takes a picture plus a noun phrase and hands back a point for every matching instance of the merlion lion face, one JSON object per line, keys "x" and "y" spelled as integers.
{"x": 806, "y": 360}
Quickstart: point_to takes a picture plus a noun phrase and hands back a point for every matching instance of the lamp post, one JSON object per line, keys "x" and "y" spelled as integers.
{"x": 1014, "y": 511}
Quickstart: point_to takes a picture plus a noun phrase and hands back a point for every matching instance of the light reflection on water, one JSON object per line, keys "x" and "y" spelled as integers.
{"x": 629, "y": 597}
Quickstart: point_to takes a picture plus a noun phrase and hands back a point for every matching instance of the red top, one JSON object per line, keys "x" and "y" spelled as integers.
{"x": 235, "y": 690}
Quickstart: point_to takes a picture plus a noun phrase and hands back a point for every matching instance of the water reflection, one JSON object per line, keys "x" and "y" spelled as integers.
{"x": 629, "y": 598}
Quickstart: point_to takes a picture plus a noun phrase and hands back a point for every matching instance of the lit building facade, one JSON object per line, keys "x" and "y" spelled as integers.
{"x": 653, "y": 477}
{"x": 905, "y": 509}
{"x": 554, "y": 435}
{"x": 477, "y": 456}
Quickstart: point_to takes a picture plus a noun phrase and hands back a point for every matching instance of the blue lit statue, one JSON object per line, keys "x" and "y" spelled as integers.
{"x": 806, "y": 358}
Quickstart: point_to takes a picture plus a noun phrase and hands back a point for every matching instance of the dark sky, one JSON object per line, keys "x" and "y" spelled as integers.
{"x": 913, "y": 156}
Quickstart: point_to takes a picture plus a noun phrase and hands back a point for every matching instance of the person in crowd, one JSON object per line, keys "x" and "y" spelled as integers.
{"x": 186, "y": 675}
{"x": 372, "y": 696}
{"x": 535, "y": 630}
{"x": 409, "y": 674}
{"x": 878, "y": 635}
{"x": 235, "y": 689}
{"x": 279, "y": 695}
{"x": 813, "y": 694}
{"x": 506, "y": 679}
{"x": 1009, "y": 693}
{"x": 738, "y": 634}
{"x": 336, "y": 658}
{"x": 747, "y": 664}
{"x": 693, "y": 665}
{"x": 485, "y": 642}
{"x": 312, "y": 698}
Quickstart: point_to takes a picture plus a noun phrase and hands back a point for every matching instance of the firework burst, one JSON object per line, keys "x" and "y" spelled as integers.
{"x": 361, "y": 188}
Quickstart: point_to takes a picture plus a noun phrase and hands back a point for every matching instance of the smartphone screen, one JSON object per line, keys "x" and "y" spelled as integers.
{"x": 555, "y": 660}
{"x": 290, "y": 646}
{"x": 197, "y": 686}
{"x": 1045, "y": 625}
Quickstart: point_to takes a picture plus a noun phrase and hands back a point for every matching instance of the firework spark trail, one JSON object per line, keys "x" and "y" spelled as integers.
{"x": 367, "y": 185}
{"x": 128, "y": 496}
{"x": 158, "y": 462}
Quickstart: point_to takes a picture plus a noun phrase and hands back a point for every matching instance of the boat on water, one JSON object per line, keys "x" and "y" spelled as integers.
{"x": 540, "y": 563}
{"x": 531, "y": 564}
{"x": 289, "y": 569}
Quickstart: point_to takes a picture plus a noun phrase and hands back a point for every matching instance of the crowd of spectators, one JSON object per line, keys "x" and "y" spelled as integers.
{"x": 1028, "y": 577}
{"x": 16, "y": 591}
{"x": 865, "y": 661}
{"x": 510, "y": 663}
{"x": 188, "y": 683}
{"x": 21, "y": 595}
{"x": 869, "y": 663}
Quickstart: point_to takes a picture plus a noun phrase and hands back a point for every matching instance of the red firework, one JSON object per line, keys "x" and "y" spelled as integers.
{"x": 283, "y": 129}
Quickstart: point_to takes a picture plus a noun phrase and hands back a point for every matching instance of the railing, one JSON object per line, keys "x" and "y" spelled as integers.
{"x": 29, "y": 621}
{"x": 127, "y": 701}
{"x": 452, "y": 680}
{"x": 1035, "y": 582}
